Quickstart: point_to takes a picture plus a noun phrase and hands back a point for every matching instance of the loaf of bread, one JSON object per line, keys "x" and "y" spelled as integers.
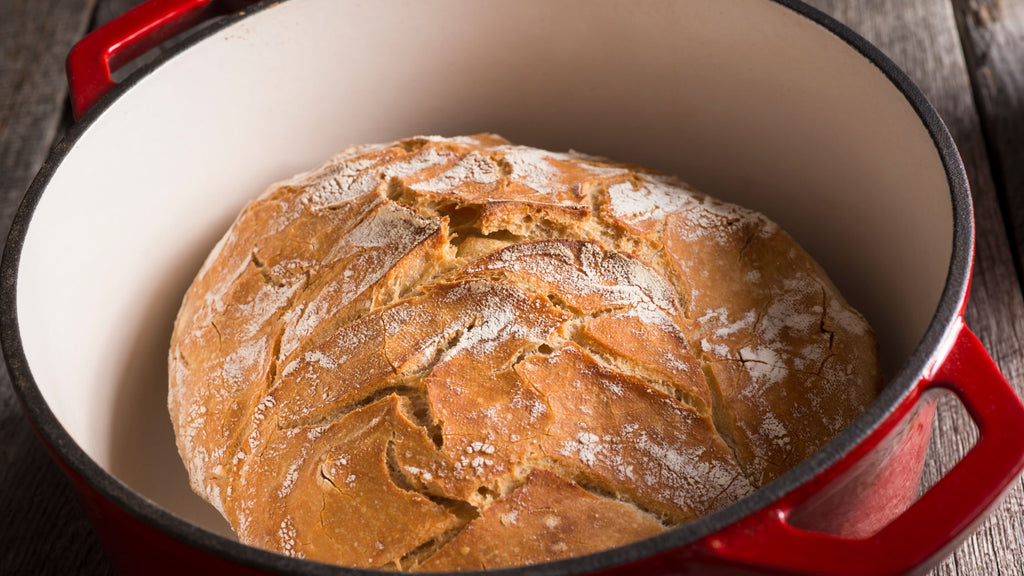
{"x": 457, "y": 353}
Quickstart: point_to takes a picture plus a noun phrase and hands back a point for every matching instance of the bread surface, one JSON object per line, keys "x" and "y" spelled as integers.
{"x": 458, "y": 353}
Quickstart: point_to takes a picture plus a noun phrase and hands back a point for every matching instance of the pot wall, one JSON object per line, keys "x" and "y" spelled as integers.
{"x": 745, "y": 99}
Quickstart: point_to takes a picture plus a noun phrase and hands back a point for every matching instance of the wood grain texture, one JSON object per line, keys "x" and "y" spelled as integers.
{"x": 993, "y": 39}
{"x": 42, "y": 529}
{"x": 921, "y": 37}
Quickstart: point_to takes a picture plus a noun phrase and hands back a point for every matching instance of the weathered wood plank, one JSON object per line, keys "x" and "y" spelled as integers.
{"x": 921, "y": 37}
{"x": 993, "y": 39}
{"x": 42, "y": 528}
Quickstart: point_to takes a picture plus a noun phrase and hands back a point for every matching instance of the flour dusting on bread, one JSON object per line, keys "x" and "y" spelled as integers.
{"x": 459, "y": 353}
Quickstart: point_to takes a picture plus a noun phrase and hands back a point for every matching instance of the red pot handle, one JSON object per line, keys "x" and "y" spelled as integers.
{"x": 93, "y": 59}
{"x": 936, "y": 522}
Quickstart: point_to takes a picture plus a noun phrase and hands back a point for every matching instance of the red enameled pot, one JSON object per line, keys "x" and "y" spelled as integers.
{"x": 770, "y": 104}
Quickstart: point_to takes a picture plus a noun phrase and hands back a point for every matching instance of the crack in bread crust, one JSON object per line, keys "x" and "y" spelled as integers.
{"x": 527, "y": 323}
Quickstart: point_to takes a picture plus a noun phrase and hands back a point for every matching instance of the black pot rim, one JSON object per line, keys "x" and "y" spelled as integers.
{"x": 896, "y": 391}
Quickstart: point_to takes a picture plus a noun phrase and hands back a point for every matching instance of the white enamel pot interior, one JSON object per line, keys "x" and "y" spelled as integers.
{"x": 767, "y": 104}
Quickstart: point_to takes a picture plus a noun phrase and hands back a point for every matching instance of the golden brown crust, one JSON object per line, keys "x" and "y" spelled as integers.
{"x": 791, "y": 360}
{"x": 547, "y": 518}
{"x": 617, "y": 432}
{"x": 388, "y": 357}
{"x": 295, "y": 494}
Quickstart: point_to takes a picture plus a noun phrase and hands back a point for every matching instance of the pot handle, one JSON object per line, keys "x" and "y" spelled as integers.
{"x": 936, "y": 522}
{"x": 93, "y": 59}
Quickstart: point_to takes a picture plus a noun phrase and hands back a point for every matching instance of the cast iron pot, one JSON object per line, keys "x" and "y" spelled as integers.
{"x": 766, "y": 103}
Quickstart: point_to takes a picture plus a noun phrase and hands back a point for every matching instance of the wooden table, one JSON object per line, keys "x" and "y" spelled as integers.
{"x": 967, "y": 56}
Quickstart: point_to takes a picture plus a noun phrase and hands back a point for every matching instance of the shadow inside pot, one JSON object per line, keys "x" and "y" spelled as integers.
{"x": 143, "y": 453}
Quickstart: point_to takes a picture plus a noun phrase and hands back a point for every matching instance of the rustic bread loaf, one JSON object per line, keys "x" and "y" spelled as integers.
{"x": 459, "y": 354}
